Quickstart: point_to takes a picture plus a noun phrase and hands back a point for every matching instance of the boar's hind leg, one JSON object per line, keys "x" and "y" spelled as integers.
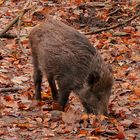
{"x": 37, "y": 80}
{"x": 53, "y": 88}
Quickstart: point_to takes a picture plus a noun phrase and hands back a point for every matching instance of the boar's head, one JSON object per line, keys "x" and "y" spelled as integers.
{"x": 96, "y": 92}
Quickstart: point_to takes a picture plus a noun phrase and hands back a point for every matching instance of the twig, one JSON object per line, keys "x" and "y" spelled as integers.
{"x": 113, "y": 12}
{"x": 28, "y": 4}
{"x": 18, "y": 34}
{"x": 8, "y": 35}
{"x": 98, "y": 4}
{"x": 10, "y": 89}
{"x": 114, "y": 26}
{"x": 13, "y": 22}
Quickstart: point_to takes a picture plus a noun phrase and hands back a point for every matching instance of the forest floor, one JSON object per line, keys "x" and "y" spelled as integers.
{"x": 23, "y": 118}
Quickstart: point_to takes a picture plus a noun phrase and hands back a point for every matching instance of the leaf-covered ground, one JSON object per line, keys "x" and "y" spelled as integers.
{"x": 23, "y": 118}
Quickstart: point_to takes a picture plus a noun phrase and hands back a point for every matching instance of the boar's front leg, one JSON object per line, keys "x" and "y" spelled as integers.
{"x": 37, "y": 80}
{"x": 63, "y": 97}
{"x": 64, "y": 92}
{"x": 53, "y": 88}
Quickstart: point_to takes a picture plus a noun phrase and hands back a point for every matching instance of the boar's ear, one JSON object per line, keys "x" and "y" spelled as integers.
{"x": 93, "y": 78}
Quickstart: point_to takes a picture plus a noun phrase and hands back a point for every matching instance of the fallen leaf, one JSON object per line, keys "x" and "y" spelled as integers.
{"x": 23, "y": 106}
{"x": 137, "y": 91}
{"x": 121, "y": 134}
{"x": 1, "y": 2}
{"x": 82, "y": 133}
{"x": 68, "y": 129}
{"x": 93, "y": 138}
{"x": 84, "y": 116}
{"x": 132, "y": 76}
{"x": 24, "y": 125}
{"x": 2, "y": 132}
{"x": 38, "y": 119}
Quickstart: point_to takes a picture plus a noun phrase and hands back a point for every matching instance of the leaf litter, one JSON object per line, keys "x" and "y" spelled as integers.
{"x": 21, "y": 117}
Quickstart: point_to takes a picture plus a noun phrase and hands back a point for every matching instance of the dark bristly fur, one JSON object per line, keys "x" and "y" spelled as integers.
{"x": 64, "y": 55}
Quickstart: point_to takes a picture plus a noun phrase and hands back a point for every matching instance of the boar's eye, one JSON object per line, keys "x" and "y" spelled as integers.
{"x": 93, "y": 78}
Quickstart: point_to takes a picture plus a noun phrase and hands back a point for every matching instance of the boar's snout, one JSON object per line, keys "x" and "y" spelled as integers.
{"x": 96, "y": 103}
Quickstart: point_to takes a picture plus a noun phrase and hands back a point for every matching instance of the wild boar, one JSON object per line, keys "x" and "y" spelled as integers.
{"x": 63, "y": 54}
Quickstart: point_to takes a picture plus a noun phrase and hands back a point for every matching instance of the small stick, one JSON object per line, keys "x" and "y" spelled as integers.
{"x": 113, "y": 12}
{"x": 114, "y": 26}
{"x": 28, "y": 4}
{"x": 18, "y": 34}
{"x": 10, "y": 89}
{"x": 8, "y": 35}
{"x": 13, "y": 22}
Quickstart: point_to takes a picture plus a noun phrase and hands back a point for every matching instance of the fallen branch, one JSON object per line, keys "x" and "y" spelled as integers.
{"x": 8, "y": 35}
{"x": 18, "y": 34}
{"x": 25, "y": 9}
{"x": 28, "y": 4}
{"x": 13, "y": 22}
{"x": 114, "y": 12}
{"x": 114, "y": 26}
{"x": 10, "y": 89}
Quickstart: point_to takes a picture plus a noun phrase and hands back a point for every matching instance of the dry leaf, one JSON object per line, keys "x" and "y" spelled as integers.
{"x": 1, "y": 2}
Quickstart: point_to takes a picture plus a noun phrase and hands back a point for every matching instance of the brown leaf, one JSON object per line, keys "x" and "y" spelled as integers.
{"x": 1, "y": 2}
{"x": 40, "y": 103}
{"x": 23, "y": 106}
{"x": 102, "y": 117}
{"x": 129, "y": 29}
{"x": 68, "y": 129}
{"x": 93, "y": 138}
{"x": 134, "y": 125}
{"x": 84, "y": 124}
{"x": 53, "y": 125}
{"x": 126, "y": 122}
{"x": 70, "y": 117}
{"x": 132, "y": 76}
{"x": 8, "y": 98}
{"x": 56, "y": 106}
{"x": 38, "y": 119}
{"x": 82, "y": 133}
{"x": 2, "y": 132}
{"x": 4, "y": 80}
{"x": 11, "y": 104}
{"x": 24, "y": 125}
{"x": 46, "y": 120}
{"x": 99, "y": 130}
{"x": 137, "y": 91}
{"x": 46, "y": 96}
{"x": 121, "y": 134}
{"x": 84, "y": 116}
